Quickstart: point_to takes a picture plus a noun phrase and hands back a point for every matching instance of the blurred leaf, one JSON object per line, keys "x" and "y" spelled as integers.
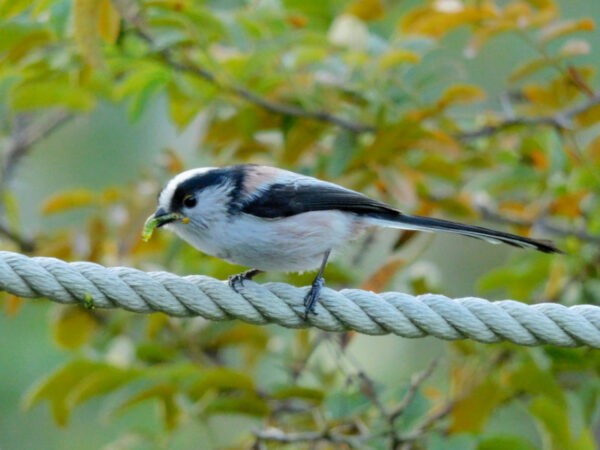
{"x": 436, "y": 22}
{"x": 11, "y": 8}
{"x": 397, "y": 57}
{"x": 505, "y": 443}
{"x": 472, "y": 411}
{"x": 304, "y": 393}
{"x": 519, "y": 279}
{"x": 73, "y": 327}
{"x": 65, "y": 201}
{"x": 67, "y": 386}
{"x": 109, "y": 21}
{"x": 247, "y": 404}
{"x": 367, "y": 9}
{"x": 555, "y": 421}
{"x": 85, "y": 24}
{"x": 17, "y": 40}
{"x": 562, "y": 28}
{"x": 40, "y": 94}
{"x": 165, "y": 395}
{"x": 461, "y": 93}
{"x": 220, "y": 379}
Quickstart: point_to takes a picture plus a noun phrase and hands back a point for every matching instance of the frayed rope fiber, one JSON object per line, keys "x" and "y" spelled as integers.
{"x": 93, "y": 285}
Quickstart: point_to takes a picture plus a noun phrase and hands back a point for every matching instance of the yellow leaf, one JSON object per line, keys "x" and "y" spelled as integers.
{"x": 109, "y": 22}
{"x": 436, "y": 20}
{"x": 593, "y": 149}
{"x": 394, "y": 58}
{"x": 461, "y": 93}
{"x": 86, "y": 14}
{"x": 367, "y": 9}
{"x": 65, "y": 201}
{"x": 73, "y": 327}
{"x": 559, "y": 29}
{"x": 568, "y": 205}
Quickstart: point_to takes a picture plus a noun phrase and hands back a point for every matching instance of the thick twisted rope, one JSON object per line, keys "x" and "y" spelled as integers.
{"x": 90, "y": 284}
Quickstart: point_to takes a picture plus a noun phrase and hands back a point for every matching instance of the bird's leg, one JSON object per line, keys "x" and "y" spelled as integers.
{"x": 236, "y": 281}
{"x": 312, "y": 296}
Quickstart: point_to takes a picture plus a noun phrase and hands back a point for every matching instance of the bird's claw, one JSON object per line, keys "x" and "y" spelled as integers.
{"x": 311, "y": 298}
{"x": 236, "y": 281}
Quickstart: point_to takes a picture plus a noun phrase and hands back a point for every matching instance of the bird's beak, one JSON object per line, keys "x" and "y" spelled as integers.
{"x": 158, "y": 219}
{"x": 162, "y": 217}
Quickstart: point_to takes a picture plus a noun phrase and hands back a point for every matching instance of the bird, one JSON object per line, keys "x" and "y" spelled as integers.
{"x": 271, "y": 219}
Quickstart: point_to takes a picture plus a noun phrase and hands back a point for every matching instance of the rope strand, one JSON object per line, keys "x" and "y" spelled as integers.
{"x": 350, "y": 309}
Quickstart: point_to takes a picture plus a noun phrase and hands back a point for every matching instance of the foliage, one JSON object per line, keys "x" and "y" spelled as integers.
{"x": 384, "y": 97}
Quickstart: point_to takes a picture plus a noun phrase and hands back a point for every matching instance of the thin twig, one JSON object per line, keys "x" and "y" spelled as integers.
{"x": 563, "y": 120}
{"x": 415, "y": 383}
{"x": 26, "y": 135}
{"x": 278, "y": 435}
{"x": 25, "y": 245}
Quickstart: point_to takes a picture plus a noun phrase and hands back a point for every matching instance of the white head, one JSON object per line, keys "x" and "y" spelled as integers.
{"x": 193, "y": 199}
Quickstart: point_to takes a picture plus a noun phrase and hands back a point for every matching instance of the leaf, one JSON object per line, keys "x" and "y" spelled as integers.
{"x": 396, "y": 57}
{"x": 86, "y": 14}
{"x": 39, "y": 94}
{"x": 435, "y": 22}
{"x": 461, "y": 93}
{"x": 249, "y": 405}
{"x": 529, "y": 68}
{"x": 304, "y": 393}
{"x": 66, "y": 201}
{"x": 367, "y": 9}
{"x": 505, "y": 443}
{"x": 62, "y": 387}
{"x": 519, "y": 279}
{"x": 19, "y": 39}
{"x": 11, "y": 8}
{"x": 109, "y": 22}
{"x": 565, "y": 27}
{"x": 220, "y": 379}
{"x": 72, "y": 327}
{"x": 472, "y": 411}
{"x": 165, "y": 394}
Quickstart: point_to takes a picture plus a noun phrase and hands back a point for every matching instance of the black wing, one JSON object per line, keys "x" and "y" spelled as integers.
{"x": 284, "y": 200}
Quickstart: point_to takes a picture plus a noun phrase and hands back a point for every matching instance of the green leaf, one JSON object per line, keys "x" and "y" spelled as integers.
{"x": 71, "y": 384}
{"x": 73, "y": 326}
{"x": 221, "y": 379}
{"x": 505, "y": 443}
{"x": 41, "y": 94}
{"x": 290, "y": 392}
{"x": 247, "y": 404}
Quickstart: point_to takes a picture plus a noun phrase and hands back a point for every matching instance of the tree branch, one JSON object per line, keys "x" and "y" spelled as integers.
{"x": 562, "y": 120}
{"x": 130, "y": 13}
{"x": 25, "y": 134}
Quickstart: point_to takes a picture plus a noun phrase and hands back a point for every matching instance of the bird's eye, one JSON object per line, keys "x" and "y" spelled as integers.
{"x": 189, "y": 201}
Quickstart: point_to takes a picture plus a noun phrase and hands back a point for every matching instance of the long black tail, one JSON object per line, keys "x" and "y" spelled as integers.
{"x": 420, "y": 223}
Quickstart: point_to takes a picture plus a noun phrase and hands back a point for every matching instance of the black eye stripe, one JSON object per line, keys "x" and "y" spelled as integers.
{"x": 195, "y": 184}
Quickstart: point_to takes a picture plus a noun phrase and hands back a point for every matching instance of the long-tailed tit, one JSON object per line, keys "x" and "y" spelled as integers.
{"x": 271, "y": 219}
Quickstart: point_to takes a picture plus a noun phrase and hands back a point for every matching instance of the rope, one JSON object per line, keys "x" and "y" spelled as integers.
{"x": 96, "y": 286}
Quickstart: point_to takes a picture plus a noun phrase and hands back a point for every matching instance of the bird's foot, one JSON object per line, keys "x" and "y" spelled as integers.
{"x": 310, "y": 301}
{"x": 237, "y": 281}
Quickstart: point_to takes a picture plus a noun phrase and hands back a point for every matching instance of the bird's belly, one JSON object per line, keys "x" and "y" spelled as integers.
{"x": 290, "y": 244}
